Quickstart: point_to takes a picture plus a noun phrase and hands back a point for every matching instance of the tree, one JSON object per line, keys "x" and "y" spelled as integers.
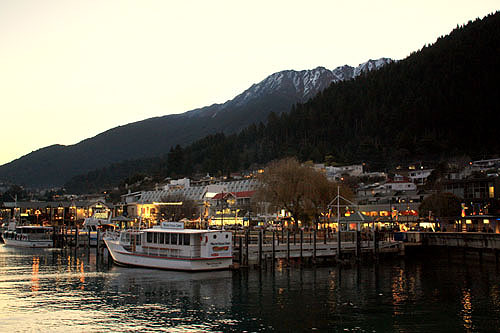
{"x": 320, "y": 192}
{"x": 283, "y": 184}
{"x": 442, "y": 205}
{"x": 299, "y": 189}
{"x": 178, "y": 207}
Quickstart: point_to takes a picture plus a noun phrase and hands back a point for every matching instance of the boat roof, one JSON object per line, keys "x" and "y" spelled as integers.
{"x": 183, "y": 231}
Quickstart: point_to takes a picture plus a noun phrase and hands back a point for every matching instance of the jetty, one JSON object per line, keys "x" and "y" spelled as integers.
{"x": 254, "y": 248}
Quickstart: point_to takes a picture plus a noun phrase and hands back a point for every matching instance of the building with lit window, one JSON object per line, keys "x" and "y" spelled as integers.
{"x": 480, "y": 195}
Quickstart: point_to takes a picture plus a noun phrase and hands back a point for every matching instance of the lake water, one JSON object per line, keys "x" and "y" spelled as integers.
{"x": 57, "y": 291}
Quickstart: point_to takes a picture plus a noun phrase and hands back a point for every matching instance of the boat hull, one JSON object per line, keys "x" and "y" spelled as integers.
{"x": 27, "y": 243}
{"x": 125, "y": 258}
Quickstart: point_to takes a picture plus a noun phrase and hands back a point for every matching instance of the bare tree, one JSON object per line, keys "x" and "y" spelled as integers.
{"x": 320, "y": 192}
{"x": 299, "y": 189}
{"x": 177, "y": 207}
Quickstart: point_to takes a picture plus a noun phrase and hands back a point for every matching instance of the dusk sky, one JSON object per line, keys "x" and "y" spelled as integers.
{"x": 70, "y": 70}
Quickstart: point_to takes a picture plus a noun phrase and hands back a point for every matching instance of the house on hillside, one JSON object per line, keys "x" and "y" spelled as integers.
{"x": 400, "y": 183}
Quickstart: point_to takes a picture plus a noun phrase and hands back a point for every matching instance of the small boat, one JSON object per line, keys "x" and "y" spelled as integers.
{"x": 92, "y": 224}
{"x": 170, "y": 246}
{"x": 28, "y": 236}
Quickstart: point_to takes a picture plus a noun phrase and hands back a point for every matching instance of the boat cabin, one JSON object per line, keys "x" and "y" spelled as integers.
{"x": 173, "y": 241}
{"x": 30, "y": 233}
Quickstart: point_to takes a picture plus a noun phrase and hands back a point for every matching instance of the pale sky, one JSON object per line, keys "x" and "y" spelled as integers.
{"x": 70, "y": 70}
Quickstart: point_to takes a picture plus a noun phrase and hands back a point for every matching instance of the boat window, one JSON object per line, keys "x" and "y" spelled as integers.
{"x": 187, "y": 239}
{"x": 161, "y": 240}
{"x": 227, "y": 235}
{"x": 215, "y": 236}
{"x": 125, "y": 237}
{"x": 149, "y": 237}
{"x": 181, "y": 239}
{"x": 155, "y": 237}
{"x": 167, "y": 238}
{"x": 173, "y": 239}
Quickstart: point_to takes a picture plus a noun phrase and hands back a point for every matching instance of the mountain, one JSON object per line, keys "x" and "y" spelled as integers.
{"x": 54, "y": 165}
{"x": 440, "y": 102}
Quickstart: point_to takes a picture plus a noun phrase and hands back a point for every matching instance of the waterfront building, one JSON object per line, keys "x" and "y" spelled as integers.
{"x": 54, "y": 213}
{"x": 145, "y": 205}
{"x": 481, "y": 196}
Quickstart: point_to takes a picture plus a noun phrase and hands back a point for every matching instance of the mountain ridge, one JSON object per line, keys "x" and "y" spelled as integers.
{"x": 436, "y": 105}
{"x": 55, "y": 164}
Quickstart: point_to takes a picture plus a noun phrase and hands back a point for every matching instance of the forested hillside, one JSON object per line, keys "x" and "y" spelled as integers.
{"x": 439, "y": 102}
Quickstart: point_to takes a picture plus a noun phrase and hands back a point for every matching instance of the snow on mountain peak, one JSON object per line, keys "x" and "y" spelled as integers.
{"x": 305, "y": 83}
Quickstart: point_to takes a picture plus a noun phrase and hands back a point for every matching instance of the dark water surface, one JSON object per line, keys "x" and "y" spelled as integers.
{"x": 56, "y": 291}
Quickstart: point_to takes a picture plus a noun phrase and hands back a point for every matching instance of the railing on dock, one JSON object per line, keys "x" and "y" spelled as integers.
{"x": 256, "y": 246}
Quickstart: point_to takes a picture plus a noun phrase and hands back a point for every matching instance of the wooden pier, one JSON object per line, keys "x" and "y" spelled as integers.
{"x": 258, "y": 247}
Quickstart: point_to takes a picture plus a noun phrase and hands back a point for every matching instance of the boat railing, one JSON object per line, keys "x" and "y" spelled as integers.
{"x": 110, "y": 234}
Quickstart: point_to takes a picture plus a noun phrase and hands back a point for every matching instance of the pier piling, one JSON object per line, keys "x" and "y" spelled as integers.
{"x": 274, "y": 247}
{"x": 288, "y": 246}
{"x": 301, "y": 244}
{"x": 314, "y": 245}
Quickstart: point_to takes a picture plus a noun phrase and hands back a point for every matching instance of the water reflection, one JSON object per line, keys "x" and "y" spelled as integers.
{"x": 52, "y": 290}
{"x": 34, "y": 274}
{"x": 467, "y": 309}
{"x": 82, "y": 273}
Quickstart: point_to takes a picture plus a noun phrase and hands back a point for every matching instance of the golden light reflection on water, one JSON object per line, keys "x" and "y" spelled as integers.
{"x": 80, "y": 266}
{"x": 495, "y": 296}
{"x": 68, "y": 260}
{"x": 35, "y": 281}
{"x": 466, "y": 301}
{"x": 398, "y": 290}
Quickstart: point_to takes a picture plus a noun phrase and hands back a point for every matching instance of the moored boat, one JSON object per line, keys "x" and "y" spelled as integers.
{"x": 28, "y": 236}
{"x": 172, "y": 247}
{"x": 91, "y": 225}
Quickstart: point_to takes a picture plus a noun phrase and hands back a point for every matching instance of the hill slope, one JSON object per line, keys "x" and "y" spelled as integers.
{"x": 439, "y": 102}
{"x": 54, "y": 165}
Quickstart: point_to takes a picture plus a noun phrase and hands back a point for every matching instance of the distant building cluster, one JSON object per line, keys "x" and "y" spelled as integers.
{"x": 380, "y": 197}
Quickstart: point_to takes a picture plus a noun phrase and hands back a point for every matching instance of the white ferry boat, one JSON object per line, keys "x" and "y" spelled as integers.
{"x": 170, "y": 246}
{"x": 28, "y": 236}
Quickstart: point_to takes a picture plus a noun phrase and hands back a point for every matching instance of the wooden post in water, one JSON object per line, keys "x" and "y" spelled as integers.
{"x": 260, "y": 247}
{"x": 314, "y": 244}
{"x": 301, "y": 243}
{"x": 288, "y": 246}
{"x": 76, "y": 236}
{"x": 358, "y": 244}
{"x": 247, "y": 240}
{"x": 325, "y": 236}
{"x": 375, "y": 242}
{"x": 98, "y": 245}
{"x": 240, "y": 254}
{"x": 274, "y": 247}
